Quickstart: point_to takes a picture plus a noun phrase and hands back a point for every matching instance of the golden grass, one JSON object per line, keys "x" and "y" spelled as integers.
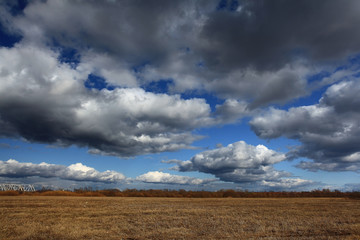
{"x": 40, "y": 217}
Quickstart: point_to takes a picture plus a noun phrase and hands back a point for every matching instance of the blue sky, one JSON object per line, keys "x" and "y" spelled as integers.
{"x": 200, "y": 95}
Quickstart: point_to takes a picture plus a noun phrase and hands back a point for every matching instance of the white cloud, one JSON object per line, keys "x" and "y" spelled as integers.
{"x": 237, "y": 155}
{"x": 245, "y": 165}
{"x": 75, "y": 172}
{"x": 287, "y": 183}
{"x": 167, "y": 178}
{"x": 238, "y": 162}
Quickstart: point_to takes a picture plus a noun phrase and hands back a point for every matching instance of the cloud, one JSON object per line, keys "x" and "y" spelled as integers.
{"x": 167, "y": 178}
{"x": 250, "y": 55}
{"x": 263, "y": 87}
{"x": 264, "y": 52}
{"x": 350, "y": 187}
{"x": 42, "y": 100}
{"x": 231, "y": 110}
{"x": 116, "y": 73}
{"x": 236, "y": 155}
{"x": 245, "y": 165}
{"x": 135, "y": 30}
{"x": 238, "y": 162}
{"x": 5, "y": 145}
{"x": 8, "y": 146}
{"x": 328, "y": 131}
{"x": 247, "y": 50}
{"x": 287, "y": 183}
{"x": 74, "y": 172}
{"x": 268, "y": 35}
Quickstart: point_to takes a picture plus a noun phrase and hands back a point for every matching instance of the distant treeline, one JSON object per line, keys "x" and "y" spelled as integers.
{"x": 88, "y": 192}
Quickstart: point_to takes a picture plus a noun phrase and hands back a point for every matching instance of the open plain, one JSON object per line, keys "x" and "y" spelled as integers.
{"x": 40, "y": 217}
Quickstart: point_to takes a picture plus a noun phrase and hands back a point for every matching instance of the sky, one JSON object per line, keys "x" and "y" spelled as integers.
{"x": 195, "y": 95}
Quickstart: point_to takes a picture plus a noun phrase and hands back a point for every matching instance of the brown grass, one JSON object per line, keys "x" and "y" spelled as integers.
{"x": 41, "y": 217}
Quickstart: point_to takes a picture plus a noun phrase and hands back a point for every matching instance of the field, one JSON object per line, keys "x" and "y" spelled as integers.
{"x": 39, "y": 217}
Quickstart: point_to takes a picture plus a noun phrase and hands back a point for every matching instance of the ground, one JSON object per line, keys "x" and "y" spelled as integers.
{"x": 40, "y": 217}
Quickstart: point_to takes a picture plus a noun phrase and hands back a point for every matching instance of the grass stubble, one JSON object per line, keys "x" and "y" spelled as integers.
{"x": 31, "y": 217}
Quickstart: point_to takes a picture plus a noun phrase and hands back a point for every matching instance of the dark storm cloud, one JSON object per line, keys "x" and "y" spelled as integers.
{"x": 262, "y": 88}
{"x": 259, "y": 34}
{"x": 329, "y": 131}
{"x": 268, "y": 35}
{"x": 249, "y": 51}
{"x": 137, "y": 31}
{"x": 255, "y": 50}
{"x": 264, "y": 51}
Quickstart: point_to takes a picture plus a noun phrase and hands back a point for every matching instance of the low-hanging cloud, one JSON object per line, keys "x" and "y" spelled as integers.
{"x": 240, "y": 163}
{"x": 328, "y": 131}
{"x": 75, "y": 172}
{"x": 287, "y": 183}
{"x": 167, "y": 178}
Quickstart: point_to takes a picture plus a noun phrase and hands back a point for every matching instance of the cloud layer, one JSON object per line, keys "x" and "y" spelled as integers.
{"x": 329, "y": 131}
{"x": 246, "y": 49}
{"x": 75, "y": 172}
{"x": 127, "y": 78}
{"x": 246, "y": 53}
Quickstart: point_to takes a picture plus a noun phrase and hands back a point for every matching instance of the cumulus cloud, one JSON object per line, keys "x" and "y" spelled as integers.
{"x": 236, "y": 155}
{"x": 244, "y": 50}
{"x": 329, "y": 131}
{"x": 238, "y": 162}
{"x": 167, "y": 178}
{"x": 74, "y": 172}
{"x": 116, "y": 73}
{"x": 56, "y": 108}
{"x": 231, "y": 110}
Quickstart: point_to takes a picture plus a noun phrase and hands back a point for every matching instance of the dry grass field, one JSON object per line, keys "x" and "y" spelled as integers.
{"x": 31, "y": 217}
